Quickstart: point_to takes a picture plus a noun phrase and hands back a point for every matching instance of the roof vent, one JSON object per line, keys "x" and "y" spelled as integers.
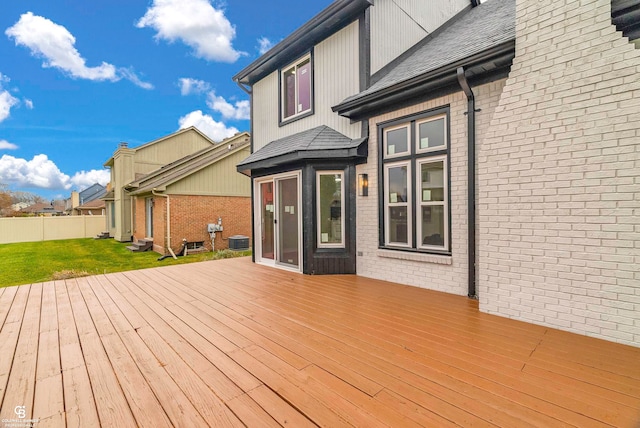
{"x": 123, "y": 145}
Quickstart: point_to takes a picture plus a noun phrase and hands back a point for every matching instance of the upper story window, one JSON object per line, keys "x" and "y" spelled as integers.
{"x": 415, "y": 171}
{"x": 296, "y": 82}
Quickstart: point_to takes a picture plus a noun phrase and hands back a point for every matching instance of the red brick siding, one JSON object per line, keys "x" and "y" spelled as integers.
{"x": 190, "y": 216}
{"x": 138, "y": 218}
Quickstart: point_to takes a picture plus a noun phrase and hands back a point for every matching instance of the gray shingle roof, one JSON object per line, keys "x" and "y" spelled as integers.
{"x": 318, "y": 142}
{"x": 483, "y": 27}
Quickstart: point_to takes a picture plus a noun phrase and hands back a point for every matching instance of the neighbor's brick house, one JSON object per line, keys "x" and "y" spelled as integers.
{"x": 127, "y": 164}
{"x": 194, "y": 191}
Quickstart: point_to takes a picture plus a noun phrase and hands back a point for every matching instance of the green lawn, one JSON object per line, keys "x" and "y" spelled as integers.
{"x": 32, "y": 262}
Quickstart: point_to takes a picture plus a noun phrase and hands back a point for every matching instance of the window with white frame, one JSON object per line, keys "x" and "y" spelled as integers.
{"x": 330, "y": 203}
{"x": 297, "y": 86}
{"x": 415, "y": 171}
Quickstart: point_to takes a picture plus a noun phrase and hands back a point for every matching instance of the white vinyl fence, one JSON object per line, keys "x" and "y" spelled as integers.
{"x": 32, "y": 229}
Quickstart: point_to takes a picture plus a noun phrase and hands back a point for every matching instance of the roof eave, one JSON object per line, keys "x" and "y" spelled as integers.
{"x": 160, "y": 183}
{"x": 360, "y": 107}
{"x": 352, "y": 152}
{"x": 331, "y": 19}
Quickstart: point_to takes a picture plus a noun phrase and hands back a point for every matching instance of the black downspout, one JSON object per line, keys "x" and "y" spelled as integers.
{"x": 471, "y": 179}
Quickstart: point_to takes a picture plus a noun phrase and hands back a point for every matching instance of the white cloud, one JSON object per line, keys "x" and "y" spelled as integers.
{"x": 264, "y": 45}
{"x": 6, "y": 102}
{"x": 5, "y": 145}
{"x": 193, "y": 86}
{"x": 197, "y": 24}
{"x": 6, "y": 99}
{"x": 83, "y": 179}
{"x": 217, "y": 131}
{"x": 56, "y": 46}
{"x": 131, "y": 76}
{"x": 240, "y": 111}
{"x": 43, "y": 173}
{"x": 38, "y": 172}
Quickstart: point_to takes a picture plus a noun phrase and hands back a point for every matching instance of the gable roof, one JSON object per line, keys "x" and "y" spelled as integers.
{"x": 483, "y": 40}
{"x": 182, "y": 168}
{"x": 124, "y": 146}
{"x": 92, "y": 192}
{"x": 321, "y": 142}
{"x": 91, "y": 205}
{"x": 337, "y": 15}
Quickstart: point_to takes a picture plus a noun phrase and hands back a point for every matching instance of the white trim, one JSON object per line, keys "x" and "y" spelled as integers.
{"x": 258, "y": 220}
{"x": 414, "y": 256}
{"x": 444, "y": 203}
{"x": 283, "y": 86}
{"x": 385, "y": 147}
{"x": 407, "y": 204}
{"x": 435, "y": 148}
{"x": 342, "y": 211}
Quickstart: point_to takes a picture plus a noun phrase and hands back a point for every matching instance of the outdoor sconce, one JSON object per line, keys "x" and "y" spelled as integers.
{"x": 363, "y": 184}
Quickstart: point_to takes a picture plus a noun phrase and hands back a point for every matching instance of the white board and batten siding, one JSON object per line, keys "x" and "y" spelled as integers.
{"x": 336, "y": 77}
{"x": 398, "y": 25}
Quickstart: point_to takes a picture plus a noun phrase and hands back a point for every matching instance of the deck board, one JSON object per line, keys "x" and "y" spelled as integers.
{"x": 231, "y": 343}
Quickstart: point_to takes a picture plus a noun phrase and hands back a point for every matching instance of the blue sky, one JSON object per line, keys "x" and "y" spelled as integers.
{"x": 77, "y": 77}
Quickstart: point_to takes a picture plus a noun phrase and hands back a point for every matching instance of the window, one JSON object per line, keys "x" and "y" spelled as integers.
{"x": 296, "y": 83}
{"x": 415, "y": 198}
{"x": 330, "y": 202}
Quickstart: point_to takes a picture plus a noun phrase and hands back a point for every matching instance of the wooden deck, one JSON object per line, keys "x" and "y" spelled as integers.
{"x": 230, "y": 343}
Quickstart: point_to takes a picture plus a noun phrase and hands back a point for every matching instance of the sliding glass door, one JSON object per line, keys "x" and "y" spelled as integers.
{"x": 278, "y": 221}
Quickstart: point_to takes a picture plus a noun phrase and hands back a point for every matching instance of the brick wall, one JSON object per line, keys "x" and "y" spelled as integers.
{"x": 190, "y": 216}
{"x": 559, "y": 176}
{"x": 441, "y": 273}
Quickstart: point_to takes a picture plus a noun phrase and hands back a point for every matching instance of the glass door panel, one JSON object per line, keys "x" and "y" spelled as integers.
{"x": 288, "y": 224}
{"x": 267, "y": 221}
{"x": 149, "y": 217}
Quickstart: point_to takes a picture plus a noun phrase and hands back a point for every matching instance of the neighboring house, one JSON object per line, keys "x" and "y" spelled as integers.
{"x": 128, "y": 164}
{"x": 95, "y": 207}
{"x": 177, "y": 202}
{"x": 77, "y": 203}
{"x": 54, "y": 208}
{"x": 374, "y": 146}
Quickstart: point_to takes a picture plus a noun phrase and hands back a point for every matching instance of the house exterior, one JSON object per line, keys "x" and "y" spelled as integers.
{"x": 304, "y": 156}
{"x": 82, "y": 203}
{"x": 175, "y": 204}
{"x": 44, "y": 209}
{"x": 495, "y": 156}
{"x": 127, "y": 164}
{"x": 95, "y": 207}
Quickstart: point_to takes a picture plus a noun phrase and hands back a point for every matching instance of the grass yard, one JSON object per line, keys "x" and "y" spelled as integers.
{"x": 32, "y": 262}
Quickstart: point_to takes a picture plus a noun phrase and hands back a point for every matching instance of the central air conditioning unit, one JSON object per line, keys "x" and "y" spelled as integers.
{"x": 238, "y": 242}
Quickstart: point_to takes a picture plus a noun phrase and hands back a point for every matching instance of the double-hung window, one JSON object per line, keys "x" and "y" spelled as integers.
{"x": 415, "y": 170}
{"x": 296, "y": 82}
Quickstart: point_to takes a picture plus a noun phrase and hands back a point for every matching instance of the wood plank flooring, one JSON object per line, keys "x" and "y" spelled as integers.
{"x": 229, "y": 343}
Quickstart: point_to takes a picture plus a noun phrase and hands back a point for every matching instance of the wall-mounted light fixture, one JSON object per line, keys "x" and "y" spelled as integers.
{"x": 363, "y": 184}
